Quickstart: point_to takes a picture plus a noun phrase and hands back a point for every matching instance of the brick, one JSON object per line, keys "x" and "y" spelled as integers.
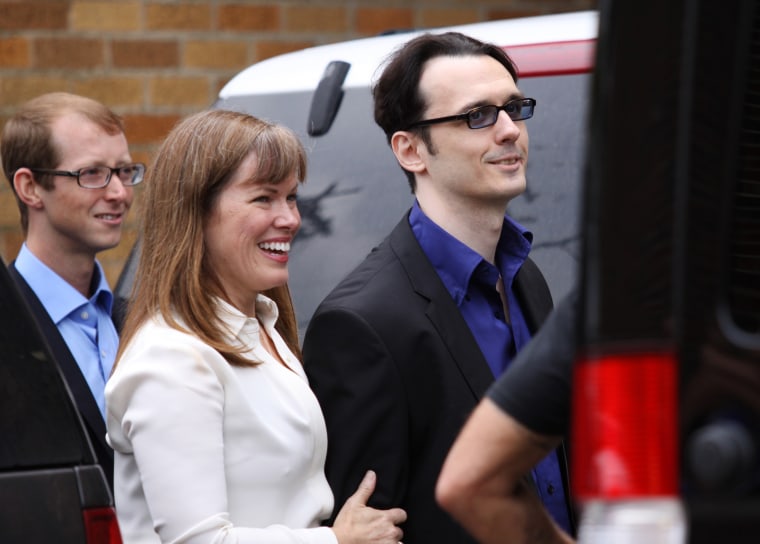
{"x": 238, "y": 17}
{"x": 147, "y": 128}
{"x": 14, "y": 91}
{"x": 373, "y": 21}
{"x": 113, "y": 259}
{"x": 145, "y": 54}
{"x": 14, "y": 52}
{"x": 114, "y": 91}
{"x": 215, "y": 54}
{"x": 66, "y": 52}
{"x": 181, "y": 16}
{"x": 128, "y": 237}
{"x": 113, "y": 16}
{"x": 499, "y": 14}
{"x": 34, "y": 15}
{"x": 9, "y": 216}
{"x": 138, "y": 202}
{"x": 316, "y": 19}
{"x": 143, "y": 154}
{"x": 431, "y": 18}
{"x": 271, "y": 48}
{"x": 506, "y": 3}
{"x": 10, "y": 243}
{"x": 187, "y": 91}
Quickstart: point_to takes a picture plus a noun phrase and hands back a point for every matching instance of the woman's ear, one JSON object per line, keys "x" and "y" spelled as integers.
{"x": 26, "y": 188}
{"x": 406, "y": 147}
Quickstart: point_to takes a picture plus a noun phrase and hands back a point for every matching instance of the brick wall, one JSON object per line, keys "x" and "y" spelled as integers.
{"x": 155, "y": 61}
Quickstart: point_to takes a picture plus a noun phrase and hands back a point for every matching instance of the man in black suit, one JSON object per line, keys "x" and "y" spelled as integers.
{"x": 67, "y": 160}
{"x": 406, "y": 345}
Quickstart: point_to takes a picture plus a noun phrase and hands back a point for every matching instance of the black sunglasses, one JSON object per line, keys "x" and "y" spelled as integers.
{"x": 517, "y": 109}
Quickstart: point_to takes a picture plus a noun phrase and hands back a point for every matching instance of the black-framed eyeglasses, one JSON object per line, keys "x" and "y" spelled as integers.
{"x": 97, "y": 177}
{"x": 517, "y": 109}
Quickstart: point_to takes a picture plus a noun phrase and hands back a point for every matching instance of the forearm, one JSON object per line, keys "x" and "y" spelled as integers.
{"x": 517, "y": 516}
{"x": 482, "y": 483}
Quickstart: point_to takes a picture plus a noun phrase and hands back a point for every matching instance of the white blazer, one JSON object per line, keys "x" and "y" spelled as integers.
{"x": 207, "y": 452}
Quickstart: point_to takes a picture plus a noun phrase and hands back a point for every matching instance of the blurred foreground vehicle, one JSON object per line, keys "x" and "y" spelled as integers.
{"x": 666, "y": 430}
{"x": 51, "y": 488}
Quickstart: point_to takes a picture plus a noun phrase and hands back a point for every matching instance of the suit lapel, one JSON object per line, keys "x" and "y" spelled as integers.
{"x": 441, "y": 310}
{"x": 533, "y": 295}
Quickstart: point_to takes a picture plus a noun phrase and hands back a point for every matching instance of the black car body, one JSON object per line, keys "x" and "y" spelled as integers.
{"x": 51, "y": 487}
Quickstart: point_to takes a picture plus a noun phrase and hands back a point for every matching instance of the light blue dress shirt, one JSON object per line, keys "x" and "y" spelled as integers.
{"x": 85, "y": 324}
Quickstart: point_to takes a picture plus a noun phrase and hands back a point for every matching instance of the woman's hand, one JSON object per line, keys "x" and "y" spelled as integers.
{"x": 358, "y": 523}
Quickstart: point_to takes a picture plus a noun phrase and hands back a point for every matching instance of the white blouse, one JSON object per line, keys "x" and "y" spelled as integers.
{"x": 208, "y": 452}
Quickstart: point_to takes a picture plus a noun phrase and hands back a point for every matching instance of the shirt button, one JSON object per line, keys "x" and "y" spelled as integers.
{"x": 85, "y": 315}
{"x": 550, "y": 489}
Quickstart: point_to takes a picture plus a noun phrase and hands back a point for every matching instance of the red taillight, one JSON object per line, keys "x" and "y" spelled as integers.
{"x": 101, "y": 526}
{"x": 625, "y": 426}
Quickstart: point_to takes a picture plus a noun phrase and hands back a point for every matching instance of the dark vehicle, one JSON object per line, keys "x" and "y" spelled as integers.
{"x": 51, "y": 488}
{"x": 666, "y": 430}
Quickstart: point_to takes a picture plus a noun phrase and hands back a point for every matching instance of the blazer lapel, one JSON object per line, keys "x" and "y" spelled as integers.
{"x": 441, "y": 310}
{"x": 533, "y": 294}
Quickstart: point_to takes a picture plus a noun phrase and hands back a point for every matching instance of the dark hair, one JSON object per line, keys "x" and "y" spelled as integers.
{"x": 398, "y": 103}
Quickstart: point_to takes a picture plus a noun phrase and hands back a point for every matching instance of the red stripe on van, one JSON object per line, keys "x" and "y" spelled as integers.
{"x": 551, "y": 59}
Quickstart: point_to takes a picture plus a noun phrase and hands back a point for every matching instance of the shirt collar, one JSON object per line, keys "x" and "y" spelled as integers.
{"x": 456, "y": 263}
{"x": 57, "y": 295}
{"x": 236, "y": 321}
{"x": 512, "y": 249}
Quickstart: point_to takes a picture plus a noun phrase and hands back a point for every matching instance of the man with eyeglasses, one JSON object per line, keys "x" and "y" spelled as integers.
{"x": 404, "y": 348}
{"x": 67, "y": 160}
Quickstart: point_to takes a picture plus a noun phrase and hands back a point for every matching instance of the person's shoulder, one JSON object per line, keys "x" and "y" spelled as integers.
{"x": 371, "y": 277}
{"x": 157, "y": 342}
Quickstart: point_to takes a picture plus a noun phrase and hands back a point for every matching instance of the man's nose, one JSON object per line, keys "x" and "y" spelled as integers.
{"x": 506, "y": 128}
{"x": 116, "y": 188}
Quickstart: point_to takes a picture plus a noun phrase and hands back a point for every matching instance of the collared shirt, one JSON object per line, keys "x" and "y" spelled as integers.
{"x": 472, "y": 283}
{"x": 85, "y": 324}
{"x": 226, "y": 453}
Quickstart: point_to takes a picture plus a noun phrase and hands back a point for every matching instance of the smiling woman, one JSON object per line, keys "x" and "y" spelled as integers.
{"x": 215, "y": 429}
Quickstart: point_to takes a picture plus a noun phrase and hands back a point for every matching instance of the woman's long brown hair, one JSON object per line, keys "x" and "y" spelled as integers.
{"x": 173, "y": 276}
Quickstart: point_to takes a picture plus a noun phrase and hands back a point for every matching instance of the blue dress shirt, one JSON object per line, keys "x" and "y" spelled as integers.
{"x": 471, "y": 281}
{"x": 85, "y": 324}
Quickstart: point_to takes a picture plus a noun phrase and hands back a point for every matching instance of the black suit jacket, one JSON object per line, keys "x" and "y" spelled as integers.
{"x": 88, "y": 408}
{"x": 397, "y": 371}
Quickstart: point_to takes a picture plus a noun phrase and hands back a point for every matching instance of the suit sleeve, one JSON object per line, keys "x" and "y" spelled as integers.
{"x": 363, "y": 400}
